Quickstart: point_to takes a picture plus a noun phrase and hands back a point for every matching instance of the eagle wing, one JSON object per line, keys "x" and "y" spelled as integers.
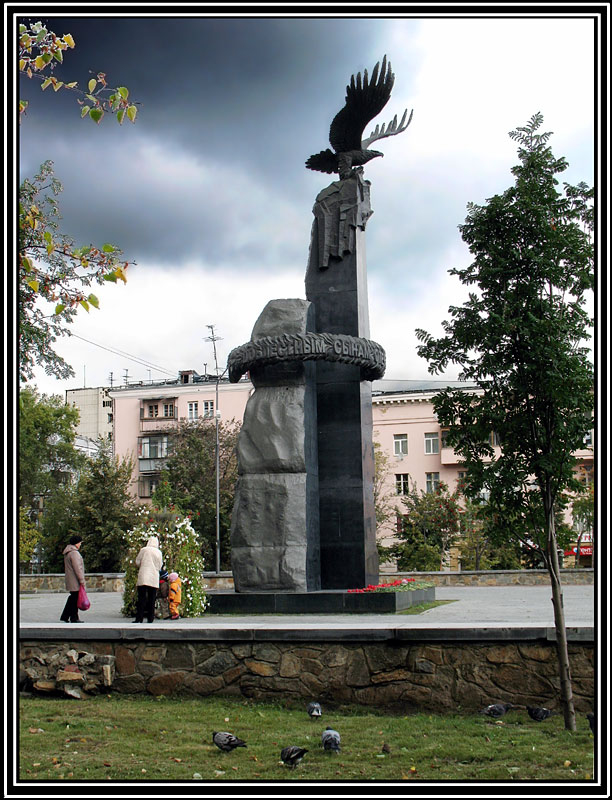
{"x": 364, "y": 101}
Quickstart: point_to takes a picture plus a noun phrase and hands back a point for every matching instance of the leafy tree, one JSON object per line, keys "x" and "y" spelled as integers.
{"x": 40, "y": 50}
{"x": 58, "y": 524}
{"x": 384, "y": 506}
{"x": 47, "y": 456}
{"x": 191, "y": 476}
{"x": 29, "y": 536}
{"x": 583, "y": 516}
{"x": 429, "y": 526}
{"x": 54, "y": 275}
{"x": 105, "y": 509}
{"x": 521, "y": 338}
{"x": 99, "y": 507}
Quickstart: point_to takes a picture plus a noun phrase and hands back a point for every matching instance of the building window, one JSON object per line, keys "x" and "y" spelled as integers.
{"x": 494, "y": 439}
{"x": 107, "y": 404}
{"x": 110, "y": 418}
{"x": 168, "y": 409}
{"x": 153, "y": 447}
{"x": 588, "y": 439}
{"x": 432, "y": 444}
{"x": 432, "y": 481}
{"x": 192, "y": 410}
{"x": 208, "y": 408}
{"x": 147, "y": 485}
{"x": 402, "y": 485}
{"x": 444, "y": 438}
{"x": 400, "y": 444}
{"x": 153, "y": 410}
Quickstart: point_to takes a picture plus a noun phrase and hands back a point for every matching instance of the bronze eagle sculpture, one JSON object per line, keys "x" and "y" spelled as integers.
{"x": 364, "y": 101}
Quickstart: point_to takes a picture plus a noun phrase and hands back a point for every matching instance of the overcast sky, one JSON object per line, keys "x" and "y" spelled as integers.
{"x": 208, "y": 192}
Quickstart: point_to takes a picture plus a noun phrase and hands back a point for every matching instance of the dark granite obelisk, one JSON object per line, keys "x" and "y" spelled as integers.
{"x": 336, "y": 284}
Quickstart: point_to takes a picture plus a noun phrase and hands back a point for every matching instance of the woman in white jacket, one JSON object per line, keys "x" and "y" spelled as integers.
{"x": 149, "y": 562}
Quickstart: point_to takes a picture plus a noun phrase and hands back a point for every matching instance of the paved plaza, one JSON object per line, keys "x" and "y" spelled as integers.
{"x": 490, "y": 606}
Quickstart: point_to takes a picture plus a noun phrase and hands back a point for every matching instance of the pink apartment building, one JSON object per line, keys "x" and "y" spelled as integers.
{"x": 404, "y": 422}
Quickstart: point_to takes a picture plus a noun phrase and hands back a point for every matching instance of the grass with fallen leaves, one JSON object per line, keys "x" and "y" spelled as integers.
{"x": 117, "y": 738}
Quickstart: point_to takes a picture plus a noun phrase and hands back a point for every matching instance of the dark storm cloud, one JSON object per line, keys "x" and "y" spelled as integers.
{"x": 255, "y": 96}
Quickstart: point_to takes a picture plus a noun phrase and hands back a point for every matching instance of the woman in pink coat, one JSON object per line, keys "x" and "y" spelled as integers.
{"x": 75, "y": 577}
{"x": 149, "y": 562}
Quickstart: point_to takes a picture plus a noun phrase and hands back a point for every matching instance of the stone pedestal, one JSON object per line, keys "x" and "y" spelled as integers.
{"x": 336, "y": 284}
{"x": 275, "y": 528}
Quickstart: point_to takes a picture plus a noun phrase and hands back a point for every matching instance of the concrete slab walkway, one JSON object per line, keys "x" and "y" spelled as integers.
{"x": 490, "y": 607}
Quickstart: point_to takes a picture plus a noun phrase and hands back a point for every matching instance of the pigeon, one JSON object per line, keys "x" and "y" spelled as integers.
{"x": 591, "y": 718}
{"x": 292, "y": 755}
{"x": 496, "y": 709}
{"x": 539, "y": 714}
{"x": 386, "y": 748}
{"x": 330, "y": 740}
{"x": 314, "y": 710}
{"x": 227, "y": 741}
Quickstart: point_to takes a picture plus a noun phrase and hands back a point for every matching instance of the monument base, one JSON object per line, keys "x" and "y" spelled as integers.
{"x": 333, "y": 601}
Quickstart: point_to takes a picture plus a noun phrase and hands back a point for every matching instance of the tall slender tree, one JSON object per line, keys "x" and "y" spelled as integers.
{"x": 522, "y": 336}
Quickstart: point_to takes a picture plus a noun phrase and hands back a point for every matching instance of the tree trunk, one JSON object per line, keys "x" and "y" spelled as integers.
{"x": 565, "y": 678}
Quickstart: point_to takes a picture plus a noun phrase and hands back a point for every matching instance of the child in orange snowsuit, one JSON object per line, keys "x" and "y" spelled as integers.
{"x": 174, "y": 595}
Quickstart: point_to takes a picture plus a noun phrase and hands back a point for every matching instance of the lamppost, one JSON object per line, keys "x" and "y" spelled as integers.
{"x": 214, "y": 339}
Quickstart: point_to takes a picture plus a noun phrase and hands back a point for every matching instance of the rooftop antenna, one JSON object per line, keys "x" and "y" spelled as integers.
{"x": 126, "y": 376}
{"x": 110, "y": 377}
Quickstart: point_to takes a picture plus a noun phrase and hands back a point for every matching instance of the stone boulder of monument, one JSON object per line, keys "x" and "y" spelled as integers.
{"x": 275, "y": 521}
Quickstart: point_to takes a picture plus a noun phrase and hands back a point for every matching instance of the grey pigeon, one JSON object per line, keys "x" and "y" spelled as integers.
{"x": 539, "y": 714}
{"x": 591, "y": 718}
{"x": 496, "y": 709}
{"x": 314, "y": 710}
{"x": 330, "y": 740}
{"x": 227, "y": 741}
{"x": 292, "y": 755}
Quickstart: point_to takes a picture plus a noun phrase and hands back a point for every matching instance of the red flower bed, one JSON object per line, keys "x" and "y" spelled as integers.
{"x": 372, "y": 588}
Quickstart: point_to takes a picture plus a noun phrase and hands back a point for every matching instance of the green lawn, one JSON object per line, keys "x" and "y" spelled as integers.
{"x": 113, "y": 737}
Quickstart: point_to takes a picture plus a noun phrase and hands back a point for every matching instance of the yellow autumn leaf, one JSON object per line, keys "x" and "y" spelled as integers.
{"x": 34, "y": 285}
{"x": 69, "y": 40}
{"x": 92, "y": 84}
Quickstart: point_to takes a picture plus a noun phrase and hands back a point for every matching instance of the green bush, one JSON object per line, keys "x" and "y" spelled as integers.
{"x": 181, "y": 554}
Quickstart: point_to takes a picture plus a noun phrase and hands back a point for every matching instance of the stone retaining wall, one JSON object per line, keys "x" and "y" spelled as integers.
{"x": 113, "y": 582}
{"x": 434, "y": 675}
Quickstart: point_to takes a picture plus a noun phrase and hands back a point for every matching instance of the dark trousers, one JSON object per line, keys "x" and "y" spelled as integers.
{"x": 146, "y": 603}
{"x": 71, "y": 610}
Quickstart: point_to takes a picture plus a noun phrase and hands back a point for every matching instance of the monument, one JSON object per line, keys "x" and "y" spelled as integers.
{"x": 303, "y": 522}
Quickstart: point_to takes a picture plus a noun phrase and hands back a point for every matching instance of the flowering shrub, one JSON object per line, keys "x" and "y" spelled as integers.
{"x": 180, "y": 549}
{"x": 400, "y": 585}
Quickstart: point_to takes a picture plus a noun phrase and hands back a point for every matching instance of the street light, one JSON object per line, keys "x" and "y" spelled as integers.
{"x": 214, "y": 339}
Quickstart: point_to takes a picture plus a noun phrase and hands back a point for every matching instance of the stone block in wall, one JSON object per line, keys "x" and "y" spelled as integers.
{"x": 153, "y": 653}
{"x": 382, "y": 658}
{"x": 69, "y": 675}
{"x": 232, "y": 675}
{"x": 312, "y": 683}
{"x": 263, "y": 668}
{"x": 504, "y": 654}
{"x": 266, "y": 652}
{"x": 125, "y": 663}
{"x": 44, "y": 686}
{"x": 107, "y": 674}
{"x": 204, "y": 684}
{"x": 167, "y": 683}
{"x": 179, "y": 656}
{"x": 514, "y": 679}
{"x": 217, "y": 664}
{"x": 357, "y": 672}
{"x": 129, "y": 684}
{"x": 335, "y": 656}
{"x": 290, "y": 665}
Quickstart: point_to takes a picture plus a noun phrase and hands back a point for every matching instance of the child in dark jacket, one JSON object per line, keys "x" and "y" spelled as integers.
{"x": 162, "y": 608}
{"x": 174, "y": 595}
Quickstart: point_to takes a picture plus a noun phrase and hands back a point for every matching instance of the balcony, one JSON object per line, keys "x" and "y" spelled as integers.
{"x": 151, "y": 464}
{"x": 151, "y": 424}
